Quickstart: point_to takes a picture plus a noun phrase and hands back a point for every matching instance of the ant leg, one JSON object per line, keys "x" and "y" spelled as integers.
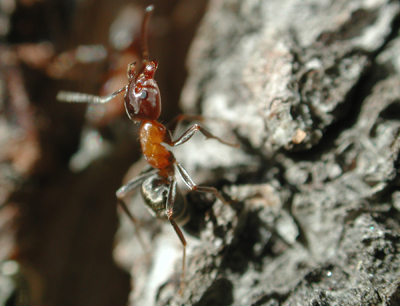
{"x": 183, "y": 117}
{"x": 190, "y": 132}
{"x": 136, "y": 224}
{"x": 134, "y": 183}
{"x": 76, "y": 97}
{"x": 192, "y": 185}
{"x": 183, "y": 240}
{"x": 171, "y": 198}
{"x": 172, "y": 194}
{"x": 147, "y": 13}
{"x": 122, "y": 192}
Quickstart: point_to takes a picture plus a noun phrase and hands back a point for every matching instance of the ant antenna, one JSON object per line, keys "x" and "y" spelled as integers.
{"x": 76, "y": 97}
{"x": 144, "y": 41}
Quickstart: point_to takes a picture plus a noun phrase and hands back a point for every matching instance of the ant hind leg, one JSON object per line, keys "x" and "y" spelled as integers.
{"x": 192, "y": 185}
{"x": 171, "y": 199}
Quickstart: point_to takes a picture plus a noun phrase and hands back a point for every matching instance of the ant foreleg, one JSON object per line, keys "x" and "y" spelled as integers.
{"x": 149, "y": 10}
{"x": 192, "y": 185}
{"x": 172, "y": 194}
{"x": 189, "y": 134}
{"x": 77, "y": 97}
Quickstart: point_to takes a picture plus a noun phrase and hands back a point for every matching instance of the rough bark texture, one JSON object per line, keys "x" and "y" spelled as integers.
{"x": 311, "y": 90}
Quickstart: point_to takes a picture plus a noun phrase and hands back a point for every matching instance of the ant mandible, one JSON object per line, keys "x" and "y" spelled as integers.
{"x": 143, "y": 104}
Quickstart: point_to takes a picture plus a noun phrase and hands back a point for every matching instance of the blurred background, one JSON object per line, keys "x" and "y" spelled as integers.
{"x": 60, "y": 164}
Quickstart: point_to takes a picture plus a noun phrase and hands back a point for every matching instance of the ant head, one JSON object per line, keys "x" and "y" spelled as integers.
{"x": 142, "y": 96}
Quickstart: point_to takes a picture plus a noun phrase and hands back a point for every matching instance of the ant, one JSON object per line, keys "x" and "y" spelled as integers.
{"x": 158, "y": 183}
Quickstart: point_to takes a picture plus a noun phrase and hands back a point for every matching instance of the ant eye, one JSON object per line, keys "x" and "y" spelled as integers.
{"x": 143, "y": 94}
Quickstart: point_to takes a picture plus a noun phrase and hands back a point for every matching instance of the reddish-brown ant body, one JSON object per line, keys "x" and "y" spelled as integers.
{"x": 143, "y": 104}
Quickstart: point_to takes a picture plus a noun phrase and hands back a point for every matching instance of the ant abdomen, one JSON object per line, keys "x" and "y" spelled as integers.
{"x": 155, "y": 191}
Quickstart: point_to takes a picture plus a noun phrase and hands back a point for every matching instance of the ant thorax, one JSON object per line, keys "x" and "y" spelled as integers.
{"x": 151, "y": 135}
